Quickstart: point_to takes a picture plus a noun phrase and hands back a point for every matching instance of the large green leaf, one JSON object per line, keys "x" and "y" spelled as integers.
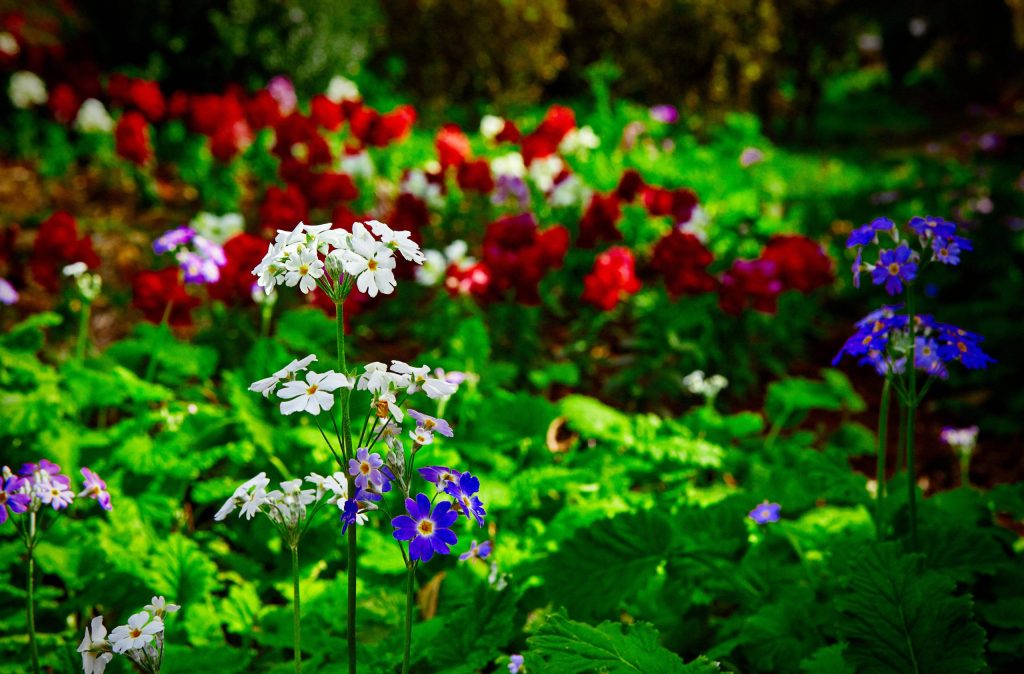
{"x": 899, "y": 617}
{"x": 563, "y": 646}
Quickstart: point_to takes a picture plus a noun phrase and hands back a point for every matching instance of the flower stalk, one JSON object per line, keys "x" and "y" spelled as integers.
{"x": 883, "y": 430}
{"x": 297, "y": 612}
{"x": 409, "y": 597}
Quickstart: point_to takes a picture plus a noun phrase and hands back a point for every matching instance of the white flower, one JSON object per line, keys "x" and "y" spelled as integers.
{"x": 290, "y": 503}
{"x": 371, "y": 263}
{"x": 544, "y": 170}
{"x": 267, "y": 385}
{"x": 241, "y": 496}
{"x": 569, "y": 192}
{"x": 433, "y": 268}
{"x": 314, "y": 394}
{"x": 456, "y": 253}
{"x": 417, "y": 184}
{"x": 399, "y": 240}
{"x": 358, "y": 165}
{"x": 303, "y": 270}
{"x": 159, "y": 607}
{"x": 386, "y": 404}
{"x": 579, "y": 140}
{"x": 417, "y": 376}
{"x": 137, "y": 633}
{"x": 336, "y": 484}
{"x": 8, "y": 295}
{"x": 8, "y": 44}
{"x": 376, "y": 378}
{"x": 26, "y": 90}
{"x": 251, "y": 502}
{"x": 92, "y": 117}
{"x": 95, "y": 648}
{"x": 270, "y": 270}
{"x": 75, "y": 269}
{"x": 697, "y": 224}
{"x": 421, "y": 436}
{"x": 217, "y": 228}
{"x": 437, "y": 388}
{"x": 342, "y": 89}
{"x": 491, "y": 126}
{"x": 509, "y": 165}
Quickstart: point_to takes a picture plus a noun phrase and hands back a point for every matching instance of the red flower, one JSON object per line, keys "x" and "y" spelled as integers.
{"x": 755, "y": 282}
{"x": 262, "y": 110}
{"x": 544, "y": 140}
{"x": 342, "y": 217}
{"x": 243, "y": 252}
{"x": 132, "y": 138}
{"x": 64, "y": 103}
{"x": 178, "y": 105}
{"x": 283, "y": 208}
{"x": 327, "y": 189}
{"x": 476, "y": 175}
{"x": 146, "y": 96}
{"x": 801, "y": 263}
{"x": 409, "y": 213}
{"x": 119, "y": 90}
{"x": 300, "y": 147}
{"x": 599, "y": 220}
{"x": 614, "y": 275}
{"x": 683, "y": 260}
{"x": 326, "y": 113}
{"x": 630, "y": 185}
{"x": 474, "y": 279}
{"x": 57, "y": 244}
{"x": 519, "y": 255}
{"x": 677, "y": 203}
{"x": 152, "y": 291}
{"x": 373, "y": 128}
{"x": 509, "y": 133}
{"x": 205, "y": 113}
{"x": 230, "y": 139}
{"x": 452, "y": 146}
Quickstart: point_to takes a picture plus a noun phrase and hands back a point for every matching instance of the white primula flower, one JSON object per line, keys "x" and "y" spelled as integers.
{"x": 270, "y": 270}
{"x": 544, "y": 170}
{"x": 342, "y": 89}
{"x": 139, "y": 631}
{"x": 579, "y": 140}
{"x": 386, "y": 404}
{"x": 252, "y": 501}
{"x": 432, "y": 270}
{"x": 314, "y": 394}
{"x": 438, "y": 388}
{"x": 95, "y": 648}
{"x": 399, "y": 240}
{"x": 8, "y": 44}
{"x": 491, "y": 126}
{"x": 267, "y": 385}
{"x": 335, "y": 484}
{"x": 417, "y": 184}
{"x": 92, "y": 117}
{"x": 159, "y": 607}
{"x": 417, "y": 376}
{"x": 75, "y": 269}
{"x": 508, "y": 165}
{"x": 358, "y": 165}
{"x": 303, "y": 270}
{"x": 456, "y": 253}
{"x": 569, "y": 192}
{"x": 698, "y": 224}
{"x": 371, "y": 263}
{"x": 421, "y": 436}
{"x": 241, "y": 495}
{"x": 218, "y": 228}
{"x": 376, "y": 378}
{"x": 26, "y": 90}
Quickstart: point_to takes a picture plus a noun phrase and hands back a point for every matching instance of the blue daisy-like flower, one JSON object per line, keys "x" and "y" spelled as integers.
{"x": 895, "y": 267}
{"x": 427, "y": 532}
{"x": 464, "y": 492}
{"x": 765, "y": 512}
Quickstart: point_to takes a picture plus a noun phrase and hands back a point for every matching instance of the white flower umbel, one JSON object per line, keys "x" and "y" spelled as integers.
{"x": 314, "y": 395}
{"x": 92, "y": 117}
{"x": 267, "y": 385}
{"x": 578, "y": 141}
{"x": 140, "y": 630}
{"x": 709, "y": 387}
{"x": 26, "y": 90}
{"x": 250, "y": 496}
{"x": 95, "y": 649}
{"x": 400, "y": 241}
{"x": 370, "y": 262}
{"x": 544, "y": 170}
{"x": 511, "y": 164}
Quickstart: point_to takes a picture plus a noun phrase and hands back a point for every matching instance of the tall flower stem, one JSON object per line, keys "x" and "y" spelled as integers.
{"x": 33, "y": 647}
{"x": 83, "y": 331}
{"x": 883, "y": 430}
{"x": 297, "y": 626}
{"x": 409, "y": 580}
{"x": 911, "y": 407}
{"x": 346, "y": 438}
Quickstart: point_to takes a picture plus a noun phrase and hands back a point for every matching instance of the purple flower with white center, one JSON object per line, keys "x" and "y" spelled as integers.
{"x": 481, "y": 551}
{"x": 428, "y": 532}
{"x": 366, "y": 469}
{"x": 12, "y": 497}
{"x": 96, "y": 488}
{"x": 510, "y": 189}
{"x": 751, "y": 156}
{"x": 868, "y": 234}
{"x": 928, "y": 227}
{"x": 464, "y": 492}
{"x": 173, "y": 239}
{"x": 55, "y": 493}
{"x": 895, "y": 267}
{"x": 766, "y": 512}
{"x": 515, "y": 664}
{"x": 961, "y": 440}
{"x": 198, "y": 269}
{"x": 439, "y": 476}
{"x": 666, "y": 114}
{"x": 432, "y": 424}
{"x": 8, "y": 295}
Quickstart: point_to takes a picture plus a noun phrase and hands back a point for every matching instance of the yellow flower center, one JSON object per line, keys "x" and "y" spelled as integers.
{"x": 425, "y": 527}
{"x": 364, "y": 468}
{"x": 312, "y": 389}
{"x": 371, "y": 264}
{"x": 303, "y": 269}
{"x": 429, "y": 424}
{"x": 894, "y": 268}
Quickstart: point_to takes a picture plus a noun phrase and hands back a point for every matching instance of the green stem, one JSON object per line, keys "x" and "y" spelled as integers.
{"x": 409, "y": 578}
{"x": 883, "y": 429}
{"x": 297, "y": 627}
{"x": 965, "y": 470}
{"x": 83, "y": 331}
{"x": 346, "y": 436}
{"x": 32, "y": 645}
{"x": 911, "y": 405}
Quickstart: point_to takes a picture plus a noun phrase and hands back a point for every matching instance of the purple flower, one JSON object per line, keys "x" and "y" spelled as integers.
{"x": 432, "y": 424}
{"x": 894, "y": 268}
{"x": 12, "y": 497}
{"x": 96, "y": 488}
{"x": 349, "y": 514}
{"x": 427, "y": 532}
{"x": 510, "y": 188}
{"x": 868, "y": 234}
{"x": 515, "y": 663}
{"x": 439, "y": 476}
{"x": 482, "y": 551}
{"x": 926, "y": 357}
{"x": 857, "y": 268}
{"x": 366, "y": 469}
{"x": 283, "y": 91}
{"x": 766, "y": 512}
{"x": 932, "y": 226}
{"x": 198, "y": 269}
{"x": 8, "y": 295}
{"x": 464, "y": 492}
{"x": 173, "y": 239}
{"x": 35, "y": 471}
{"x": 666, "y": 114}
{"x": 963, "y": 346}
{"x": 751, "y": 156}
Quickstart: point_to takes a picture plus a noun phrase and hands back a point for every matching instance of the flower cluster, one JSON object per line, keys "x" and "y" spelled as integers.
{"x": 141, "y": 640}
{"x": 613, "y": 277}
{"x": 709, "y": 387}
{"x": 961, "y": 440}
{"x": 290, "y": 508}
{"x": 42, "y": 484}
{"x": 935, "y": 238}
{"x": 57, "y": 245}
{"x": 428, "y": 527}
{"x": 199, "y": 258}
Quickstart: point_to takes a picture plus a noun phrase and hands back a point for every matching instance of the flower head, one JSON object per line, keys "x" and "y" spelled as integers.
{"x": 12, "y": 495}
{"x": 427, "y": 532}
{"x": 481, "y": 551}
{"x": 432, "y": 424}
{"x": 313, "y": 395}
{"x": 366, "y": 469}
{"x": 962, "y": 440}
{"x": 140, "y": 630}
{"x": 765, "y": 512}
{"x": 250, "y": 495}
{"x": 159, "y": 607}
{"x": 95, "y": 649}
{"x": 96, "y": 488}
{"x": 895, "y": 267}
{"x": 439, "y": 476}
{"x": 463, "y": 491}
{"x": 515, "y": 664}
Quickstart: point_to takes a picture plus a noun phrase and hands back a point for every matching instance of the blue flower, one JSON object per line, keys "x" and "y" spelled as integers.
{"x": 366, "y": 469}
{"x": 439, "y": 476}
{"x": 482, "y": 551}
{"x": 957, "y": 344}
{"x": 766, "y": 512}
{"x": 515, "y": 664}
{"x": 464, "y": 492}
{"x": 428, "y": 532}
{"x": 894, "y": 268}
{"x": 867, "y": 234}
{"x": 927, "y": 358}
{"x": 929, "y": 226}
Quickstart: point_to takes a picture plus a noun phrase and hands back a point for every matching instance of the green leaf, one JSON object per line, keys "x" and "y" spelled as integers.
{"x": 898, "y": 617}
{"x": 564, "y": 646}
{"x": 797, "y": 396}
{"x": 476, "y": 624}
{"x": 29, "y": 336}
{"x": 593, "y": 419}
{"x": 828, "y": 659}
{"x": 182, "y": 572}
